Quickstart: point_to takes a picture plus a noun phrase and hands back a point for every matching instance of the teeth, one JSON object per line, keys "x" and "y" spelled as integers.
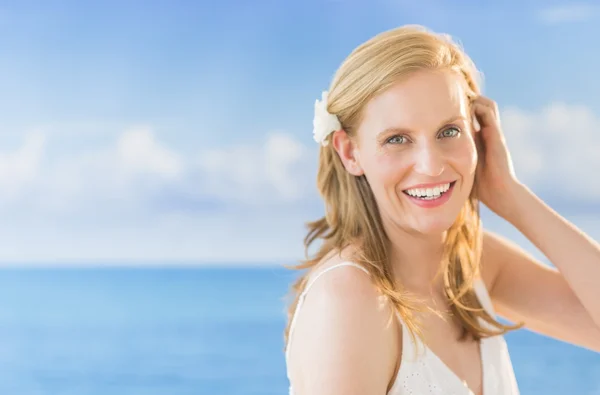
{"x": 429, "y": 193}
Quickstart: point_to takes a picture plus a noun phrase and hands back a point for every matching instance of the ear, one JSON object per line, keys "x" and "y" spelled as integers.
{"x": 347, "y": 150}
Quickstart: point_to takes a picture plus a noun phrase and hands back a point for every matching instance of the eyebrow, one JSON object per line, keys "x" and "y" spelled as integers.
{"x": 453, "y": 118}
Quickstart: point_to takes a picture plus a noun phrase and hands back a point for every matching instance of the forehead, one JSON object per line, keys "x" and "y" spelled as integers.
{"x": 422, "y": 100}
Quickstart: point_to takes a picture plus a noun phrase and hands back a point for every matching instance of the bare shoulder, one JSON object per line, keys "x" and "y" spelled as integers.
{"x": 342, "y": 341}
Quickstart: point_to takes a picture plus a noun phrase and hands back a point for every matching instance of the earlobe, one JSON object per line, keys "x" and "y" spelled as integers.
{"x": 354, "y": 168}
{"x": 347, "y": 151}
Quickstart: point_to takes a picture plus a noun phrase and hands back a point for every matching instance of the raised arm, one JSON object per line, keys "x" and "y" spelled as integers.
{"x": 526, "y": 290}
{"x": 562, "y": 302}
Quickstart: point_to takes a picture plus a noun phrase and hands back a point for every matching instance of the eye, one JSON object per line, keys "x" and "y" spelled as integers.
{"x": 396, "y": 140}
{"x": 450, "y": 132}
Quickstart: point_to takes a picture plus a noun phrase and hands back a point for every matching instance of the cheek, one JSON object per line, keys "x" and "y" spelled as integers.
{"x": 466, "y": 156}
{"x": 385, "y": 171}
{"x": 391, "y": 168}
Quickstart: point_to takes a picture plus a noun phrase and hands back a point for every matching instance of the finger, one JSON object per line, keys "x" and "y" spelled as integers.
{"x": 475, "y": 125}
{"x": 478, "y": 106}
{"x": 479, "y": 145}
{"x": 485, "y": 115}
{"x": 493, "y": 134}
{"x": 486, "y": 101}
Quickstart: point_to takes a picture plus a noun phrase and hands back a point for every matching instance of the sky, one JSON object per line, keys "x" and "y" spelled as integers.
{"x": 165, "y": 132}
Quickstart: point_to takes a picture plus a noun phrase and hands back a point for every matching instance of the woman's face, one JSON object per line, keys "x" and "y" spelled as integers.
{"x": 416, "y": 148}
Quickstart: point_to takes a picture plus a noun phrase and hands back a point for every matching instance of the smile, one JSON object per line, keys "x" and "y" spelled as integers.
{"x": 431, "y": 196}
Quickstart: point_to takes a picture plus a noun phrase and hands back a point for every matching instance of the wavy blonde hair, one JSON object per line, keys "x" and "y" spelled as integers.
{"x": 352, "y": 217}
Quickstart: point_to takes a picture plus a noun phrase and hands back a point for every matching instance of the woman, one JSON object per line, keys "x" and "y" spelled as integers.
{"x": 402, "y": 294}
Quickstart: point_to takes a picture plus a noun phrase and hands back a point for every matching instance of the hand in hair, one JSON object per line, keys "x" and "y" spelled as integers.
{"x": 496, "y": 180}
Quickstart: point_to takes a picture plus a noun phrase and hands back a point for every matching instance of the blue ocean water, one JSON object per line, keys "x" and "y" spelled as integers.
{"x": 189, "y": 331}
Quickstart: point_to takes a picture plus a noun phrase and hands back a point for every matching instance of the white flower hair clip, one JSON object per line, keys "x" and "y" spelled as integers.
{"x": 324, "y": 122}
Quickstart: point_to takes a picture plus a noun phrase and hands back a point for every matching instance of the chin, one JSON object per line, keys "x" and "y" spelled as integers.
{"x": 421, "y": 222}
{"x": 432, "y": 229}
{"x": 428, "y": 225}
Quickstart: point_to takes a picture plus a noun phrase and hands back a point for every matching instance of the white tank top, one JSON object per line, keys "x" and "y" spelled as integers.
{"x": 424, "y": 372}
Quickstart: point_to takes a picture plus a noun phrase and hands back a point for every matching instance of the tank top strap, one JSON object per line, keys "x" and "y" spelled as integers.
{"x": 305, "y": 292}
{"x": 410, "y": 346}
{"x": 322, "y": 272}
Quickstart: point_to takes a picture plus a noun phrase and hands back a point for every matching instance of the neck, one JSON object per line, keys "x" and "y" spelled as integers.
{"x": 416, "y": 260}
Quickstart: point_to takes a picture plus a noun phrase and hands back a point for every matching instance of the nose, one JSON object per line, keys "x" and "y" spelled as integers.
{"x": 429, "y": 161}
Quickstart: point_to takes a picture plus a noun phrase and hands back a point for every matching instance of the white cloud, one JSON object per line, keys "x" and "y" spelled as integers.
{"x": 134, "y": 198}
{"x": 138, "y": 151}
{"x": 575, "y": 12}
{"x": 556, "y": 149}
{"x": 19, "y": 169}
{"x": 282, "y": 153}
{"x": 118, "y": 176}
{"x": 136, "y": 169}
{"x": 277, "y": 170}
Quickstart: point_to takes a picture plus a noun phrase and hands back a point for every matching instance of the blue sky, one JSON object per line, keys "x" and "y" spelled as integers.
{"x": 180, "y": 131}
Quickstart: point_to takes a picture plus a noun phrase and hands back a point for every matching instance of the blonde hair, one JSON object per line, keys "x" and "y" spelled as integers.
{"x": 352, "y": 217}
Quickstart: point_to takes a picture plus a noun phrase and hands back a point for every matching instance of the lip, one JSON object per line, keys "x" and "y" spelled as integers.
{"x": 432, "y": 203}
{"x": 429, "y": 185}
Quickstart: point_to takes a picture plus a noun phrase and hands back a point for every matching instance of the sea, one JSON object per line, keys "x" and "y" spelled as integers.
{"x": 173, "y": 330}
